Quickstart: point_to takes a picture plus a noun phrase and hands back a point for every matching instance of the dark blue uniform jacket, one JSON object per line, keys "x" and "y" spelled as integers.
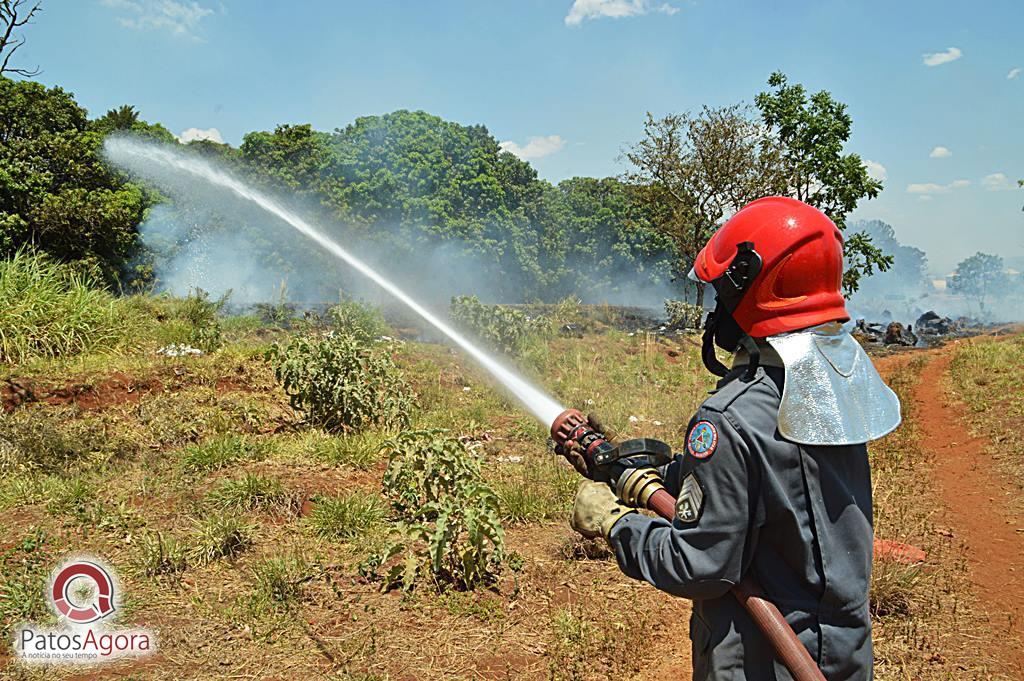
{"x": 795, "y": 517}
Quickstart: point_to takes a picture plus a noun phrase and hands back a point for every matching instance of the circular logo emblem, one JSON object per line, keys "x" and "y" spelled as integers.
{"x": 83, "y": 592}
{"x": 703, "y": 440}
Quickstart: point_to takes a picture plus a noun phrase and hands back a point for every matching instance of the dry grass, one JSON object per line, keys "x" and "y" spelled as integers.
{"x": 985, "y": 374}
{"x": 269, "y": 587}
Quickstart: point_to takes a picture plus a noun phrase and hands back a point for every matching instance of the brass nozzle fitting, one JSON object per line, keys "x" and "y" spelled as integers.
{"x": 636, "y": 486}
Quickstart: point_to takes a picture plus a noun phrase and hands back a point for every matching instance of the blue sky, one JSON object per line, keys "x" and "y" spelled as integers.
{"x": 933, "y": 87}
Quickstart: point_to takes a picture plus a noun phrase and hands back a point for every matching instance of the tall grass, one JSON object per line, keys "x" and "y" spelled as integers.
{"x": 48, "y": 309}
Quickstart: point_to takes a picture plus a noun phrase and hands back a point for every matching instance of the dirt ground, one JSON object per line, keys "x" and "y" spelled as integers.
{"x": 980, "y": 505}
{"x": 541, "y": 622}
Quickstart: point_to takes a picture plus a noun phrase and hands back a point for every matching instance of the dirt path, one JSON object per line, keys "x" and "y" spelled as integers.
{"x": 973, "y": 491}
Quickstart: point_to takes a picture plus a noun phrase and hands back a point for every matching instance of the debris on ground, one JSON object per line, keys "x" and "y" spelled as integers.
{"x": 929, "y": 329}
{"x": 179, "y": 350}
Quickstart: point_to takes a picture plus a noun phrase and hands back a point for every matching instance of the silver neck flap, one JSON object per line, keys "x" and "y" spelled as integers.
{"x": 832, "y": 394}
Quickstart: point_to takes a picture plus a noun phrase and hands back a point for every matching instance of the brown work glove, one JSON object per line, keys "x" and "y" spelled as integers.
{"x": 596, "y": 510}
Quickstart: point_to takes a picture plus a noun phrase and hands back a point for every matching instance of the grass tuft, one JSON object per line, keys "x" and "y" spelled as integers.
{"x": 346, "y": 516}
{"x": 48, "y": 309}
{"x": 220, "y": 452}
{"x": 161, "y": 555}
{"x": 220, "y": 535}
{"x": 277, "y": 583}
{"x": 253, "y": 493}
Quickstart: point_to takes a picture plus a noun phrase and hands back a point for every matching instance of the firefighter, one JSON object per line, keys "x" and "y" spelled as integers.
{"x": 774, "y": 481}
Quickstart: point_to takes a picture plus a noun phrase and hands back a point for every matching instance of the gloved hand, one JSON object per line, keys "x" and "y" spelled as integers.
{"x": 573, "y": 453}
{"x": 596, "y": 510}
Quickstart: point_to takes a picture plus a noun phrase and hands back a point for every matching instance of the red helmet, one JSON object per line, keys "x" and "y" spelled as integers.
{"x": 801, "y": 266}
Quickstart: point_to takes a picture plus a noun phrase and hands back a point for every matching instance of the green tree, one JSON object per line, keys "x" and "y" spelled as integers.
{"x": 612, "y": 241}
{"x": 125, "y": 118}
{"x": 979, "y": 277}
{"x": 699, "y": 168}
{"x": 811, "y": 131}
{"x": 56, "y": 194}
{"x": 293, "y": 156}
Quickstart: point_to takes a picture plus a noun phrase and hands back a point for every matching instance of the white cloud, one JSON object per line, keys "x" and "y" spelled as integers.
{"x": 535, "y": 147}
{"x": 940, "y": 152}
{"x": 179, "y": 17}
{"x": 193, "y": 134}
{"x": 997, "y": 182}
{"x": 928, "y": 188}
{"x": 615, "y": 9}
{"x": 876, "y": 170}
{"x": 1014, "y": 72}
{"x": 937, "y": 58}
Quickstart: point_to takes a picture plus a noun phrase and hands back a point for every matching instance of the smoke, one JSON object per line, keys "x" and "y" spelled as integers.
{"x": 906, "y": 291}
{"x": 160, "y": 162}
{"x": 202, "y": 237}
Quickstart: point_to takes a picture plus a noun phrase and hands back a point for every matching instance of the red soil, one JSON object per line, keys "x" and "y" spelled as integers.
{"x": 973, "y": 491}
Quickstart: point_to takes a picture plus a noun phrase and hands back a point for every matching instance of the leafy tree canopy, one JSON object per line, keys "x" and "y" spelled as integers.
{"x": 56, "y": 194}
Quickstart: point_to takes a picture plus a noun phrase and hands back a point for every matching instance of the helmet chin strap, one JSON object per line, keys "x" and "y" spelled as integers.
{"x": 707, "y": 352}
{"x": 720, "y": 328}
{"x": 714, "y": 334}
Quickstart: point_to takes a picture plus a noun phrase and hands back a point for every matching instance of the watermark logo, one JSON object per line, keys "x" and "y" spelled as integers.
{"x": 84, "y": 593}
{"x": 89, "y": 578}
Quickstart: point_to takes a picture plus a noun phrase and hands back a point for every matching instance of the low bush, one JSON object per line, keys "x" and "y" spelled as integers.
{"x": 48, "y": 309}
{"x": 683, "y": 315}
{"x": 426, "y": 466}
{"x": 342, "y": 383}
{"x": 449, "y": 533}
{"x": 202, "y": 315}
{"x": 503, "y": 328}
{"x": 360, "y": 320}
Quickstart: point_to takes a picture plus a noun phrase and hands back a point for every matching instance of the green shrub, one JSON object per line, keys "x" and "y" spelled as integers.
{"x": 202, "y": 315}
{"x": 425, "y": 466}
{"x": 280, "y": 313}
{"x": 219, "y": 452}
{"x": 359, "y": 320}
{"x": 48, "y": 309}
{"x": 342, "y": 383}
{"x": 503, "y": 328}
{"x": 449, "y": 533}
{"x": 683, "y": 315}
{"x": 219, "y": 535}
{"x": 345, "y": 516}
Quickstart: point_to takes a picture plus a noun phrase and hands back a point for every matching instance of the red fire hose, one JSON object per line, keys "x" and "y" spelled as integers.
{"x": 769, "y": 620}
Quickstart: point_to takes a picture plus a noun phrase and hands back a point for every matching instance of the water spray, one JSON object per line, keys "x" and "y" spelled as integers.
{"x": 137, "y": 156}
{"x": 605, "y": 460}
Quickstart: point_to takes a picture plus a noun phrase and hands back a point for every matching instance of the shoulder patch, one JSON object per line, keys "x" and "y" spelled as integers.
{"x": 690, "y": 503}
{"x": 703, "y": 440}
